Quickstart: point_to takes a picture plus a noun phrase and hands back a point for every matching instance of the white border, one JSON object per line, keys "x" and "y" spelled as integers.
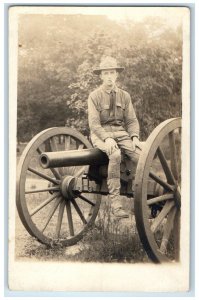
{"x": 196, "y": 70}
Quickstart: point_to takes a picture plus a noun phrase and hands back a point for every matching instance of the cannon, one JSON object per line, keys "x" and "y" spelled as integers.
{"x": 61, "y": 179}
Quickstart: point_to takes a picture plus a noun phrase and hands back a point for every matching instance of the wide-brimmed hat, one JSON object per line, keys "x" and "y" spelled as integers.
{"x": 108, "y": 63}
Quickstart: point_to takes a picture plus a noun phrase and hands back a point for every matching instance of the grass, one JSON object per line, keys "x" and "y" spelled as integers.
{"x": 94, "y": 247}
{"x": 111, "y": 247}
{"x": 108, "y": 240}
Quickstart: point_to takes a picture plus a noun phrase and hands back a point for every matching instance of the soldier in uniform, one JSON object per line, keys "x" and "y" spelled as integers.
{"x": 113, "y": 126}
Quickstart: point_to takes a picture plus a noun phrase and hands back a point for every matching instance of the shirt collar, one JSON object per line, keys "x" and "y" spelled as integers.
{"x": 115, "y": 88}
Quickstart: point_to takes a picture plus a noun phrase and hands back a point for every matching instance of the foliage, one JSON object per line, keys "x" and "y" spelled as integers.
{"x": 56, "y": 58}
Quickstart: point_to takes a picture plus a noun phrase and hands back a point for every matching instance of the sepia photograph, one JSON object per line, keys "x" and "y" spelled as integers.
{"x": 99, "y": 120}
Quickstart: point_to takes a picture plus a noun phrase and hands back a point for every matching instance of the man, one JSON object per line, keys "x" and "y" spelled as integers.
{"x": 114, "y": 127}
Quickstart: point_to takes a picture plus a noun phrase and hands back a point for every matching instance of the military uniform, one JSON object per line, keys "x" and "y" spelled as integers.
{"x": 119, "y": 123}
{"x": 111, "y": 115}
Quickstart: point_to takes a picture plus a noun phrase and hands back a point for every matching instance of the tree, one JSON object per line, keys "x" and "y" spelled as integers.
{"x": 56, "y": 58}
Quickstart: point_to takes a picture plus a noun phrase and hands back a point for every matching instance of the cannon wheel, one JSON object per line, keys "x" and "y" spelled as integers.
{"x": 44, "y": 211}
{"x": 158, "y": 217}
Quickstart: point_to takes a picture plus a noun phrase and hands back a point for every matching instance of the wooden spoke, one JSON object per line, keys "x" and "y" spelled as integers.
{"x": 55, "y": 173}
{"x": 72, "y": 170}
{"x": 44, "y": 203}
{"x": 53, "y": 188}
{"x": 79, "y": 172}
{"x": 67, "y": 142}
{"x": 54, "y": 148}
{"x": 166, "y": 209}
{"x": 47, "y": 146}
{"x": 167, "y": 230}
{"x": 42, "y": 175}
{"x": 51, "y": 213}
{"x": 155, "y": 163}
{"x": 53, "y": 144}
{"x": 39, "y": 150}
{"x": 80, "y": 147}
{"x": 172, "y": 145}
{"x": 166, "y": 168}
{"x": 161, "y": 181}
{"x": 78, "y": 211}
{"x": 67, "y": 146}
{"x": 60, "y": 218}
{"x": 86, "y": 200}
{"x": 47, "y": 208}
{"x": 160, "y": 198}
{"x": 70, "y": 219}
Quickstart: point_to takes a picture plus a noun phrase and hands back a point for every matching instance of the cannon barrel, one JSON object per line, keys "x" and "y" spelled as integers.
{"x": 69, "y": 158}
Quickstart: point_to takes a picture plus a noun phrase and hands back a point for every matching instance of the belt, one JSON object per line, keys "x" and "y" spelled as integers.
{"x": 113, "y": 127}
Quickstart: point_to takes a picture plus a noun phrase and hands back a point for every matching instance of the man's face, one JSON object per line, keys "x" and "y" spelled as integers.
{"x": 109, "y": 77}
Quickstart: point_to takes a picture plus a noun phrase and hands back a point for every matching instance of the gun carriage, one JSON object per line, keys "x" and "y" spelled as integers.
{"x": 61, "y": 179}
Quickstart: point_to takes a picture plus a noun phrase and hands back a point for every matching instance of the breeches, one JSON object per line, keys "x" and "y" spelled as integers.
{"x": 113, "y": 181}
{"x": 125, "y": 146}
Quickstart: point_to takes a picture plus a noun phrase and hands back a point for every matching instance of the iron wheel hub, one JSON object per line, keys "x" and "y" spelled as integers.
{"x": 66, "y": 187}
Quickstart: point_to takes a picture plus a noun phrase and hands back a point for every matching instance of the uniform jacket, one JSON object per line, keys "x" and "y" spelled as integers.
{"x": 101, "y": 123}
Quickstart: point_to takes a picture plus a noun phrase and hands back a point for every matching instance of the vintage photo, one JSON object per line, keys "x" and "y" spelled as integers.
{"x": 99, "y": 148}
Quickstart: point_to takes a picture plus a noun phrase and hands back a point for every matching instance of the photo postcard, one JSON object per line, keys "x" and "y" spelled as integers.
{"x": 99, "y": 148}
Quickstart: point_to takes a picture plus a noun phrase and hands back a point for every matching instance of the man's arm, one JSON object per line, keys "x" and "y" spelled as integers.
{"x": 94, "y": 121}
{"x": 131, "y": 121}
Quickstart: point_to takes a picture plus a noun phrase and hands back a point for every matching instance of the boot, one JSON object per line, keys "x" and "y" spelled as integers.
{"x": 114, "y": 195}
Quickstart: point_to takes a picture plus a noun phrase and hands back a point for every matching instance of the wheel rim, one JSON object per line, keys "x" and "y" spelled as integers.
{"x": 45, "y": 212}
{"x": 160, "y": 161}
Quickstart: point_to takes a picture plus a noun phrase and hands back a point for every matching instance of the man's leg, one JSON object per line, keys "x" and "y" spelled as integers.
{"x": 133, "y": 154}
{"x": 113, "y": 180}
{"x": 127, "y": 146}
{"x": 113, "y": 183}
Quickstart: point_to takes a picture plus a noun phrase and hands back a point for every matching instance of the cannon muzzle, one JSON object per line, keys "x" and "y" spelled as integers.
{"x": 69, "y": 158}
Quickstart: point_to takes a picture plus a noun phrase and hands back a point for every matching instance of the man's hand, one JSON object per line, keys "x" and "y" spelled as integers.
{"x": 136, "y": 143}
{"x": 111, "y": 145}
